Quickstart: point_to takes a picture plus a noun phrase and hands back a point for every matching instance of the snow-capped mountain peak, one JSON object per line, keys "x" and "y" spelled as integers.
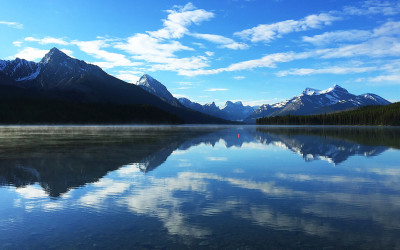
{"x": 151, "y": 85}
{"x": 334, "y": 88}
{"x": 150, "y": 82}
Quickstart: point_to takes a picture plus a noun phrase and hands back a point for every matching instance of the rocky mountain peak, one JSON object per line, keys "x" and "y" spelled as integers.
{"x": 211, "y": 104}
{"x": 54, "y": 55}
{"x": 156, "y": 88}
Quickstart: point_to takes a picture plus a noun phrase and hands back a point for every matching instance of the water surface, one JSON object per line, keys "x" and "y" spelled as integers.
{"x": 246, "y": 187}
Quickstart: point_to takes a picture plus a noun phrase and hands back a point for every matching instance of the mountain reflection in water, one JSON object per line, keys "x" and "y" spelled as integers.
{"x": 205, "y": 185}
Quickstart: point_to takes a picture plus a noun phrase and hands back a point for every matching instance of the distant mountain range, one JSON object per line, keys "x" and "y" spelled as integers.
{"x": 310, "y": 101}
{"x": 234, "y": 111}
{"x": 62, "y": 78}
{"x": 313, "y": 101}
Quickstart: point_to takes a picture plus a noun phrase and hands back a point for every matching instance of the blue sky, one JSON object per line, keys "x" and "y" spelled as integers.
{"x": 256, "y": 51}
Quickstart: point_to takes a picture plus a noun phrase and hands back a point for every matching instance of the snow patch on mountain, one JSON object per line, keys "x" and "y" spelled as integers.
{"x": 310, "y": 91}
{"x": 31, "y": 76}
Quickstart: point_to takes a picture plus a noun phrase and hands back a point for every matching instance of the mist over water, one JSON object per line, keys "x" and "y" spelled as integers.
{"x": 199, "y": 187}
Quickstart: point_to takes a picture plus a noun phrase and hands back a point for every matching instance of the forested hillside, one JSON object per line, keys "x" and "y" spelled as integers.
{"x": 49, "y": 111}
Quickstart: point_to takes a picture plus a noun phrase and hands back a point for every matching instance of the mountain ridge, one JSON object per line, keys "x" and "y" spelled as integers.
{"x": 312, "y": 101}
{"x": 234, "y": 111}
{"x": 61, "y": 77}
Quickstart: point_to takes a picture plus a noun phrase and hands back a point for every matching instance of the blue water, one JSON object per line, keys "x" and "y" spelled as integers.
{"x": 235, "y": 187}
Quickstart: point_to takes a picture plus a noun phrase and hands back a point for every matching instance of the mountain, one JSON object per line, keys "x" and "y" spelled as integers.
{"x": 60, "y": 77}
{"x": 208, "y": 108}
{"x": 20, "y": 69}
{"x": 231, "y": 111}
{"x": 383, "y": 115}
{"x": 234, "y": 111}
{"x": 312, "y": 101}
{"x": 191, "y": 105}
{"x": 156, "y": 88}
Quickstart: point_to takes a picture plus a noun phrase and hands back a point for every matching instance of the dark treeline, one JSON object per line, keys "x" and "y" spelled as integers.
{"x": 369, "y": 115}
{"x": 48, "y": 111}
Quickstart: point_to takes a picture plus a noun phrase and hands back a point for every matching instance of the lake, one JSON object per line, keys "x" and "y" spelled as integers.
{"x": 179, "y": 187}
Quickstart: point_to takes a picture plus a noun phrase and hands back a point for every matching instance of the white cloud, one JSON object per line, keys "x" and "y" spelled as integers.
{"x": 379, "y": 47}
{"x": 200, "y": 45}
{"x": 157, "y": 48}
{"x": 67, "y": 51}
{"x": 95, "y": 49}
{"x": 47, "y": 40}
{"x": 374, "y": 7}
{"x": 161, "y": 54}
{"x": 31, "y": 54}
{"x": 269, "y": 32}
{"x": 185, "y": 83}
{"x": 239, "y": 77}
{"x": 387, "y": 29}
{"x": 338, "y": 36}
{"x": 145, "y": 47}
{"x": 331, "y": 70}
{"x": 383, "y": 78}
{"x": 17, "y": 43}
{"x": 175, "y": 26}
{"x": 268, "y": 61}
{"x": 374, "y": 47}
{"x": 13, "y": 24}
{"x": 215, "y": 89}
{"x": 179, "y": 64}
{"x": 224, "y": 41}
{"x": 129, "y": 76}
{"x": 217, "y": 158}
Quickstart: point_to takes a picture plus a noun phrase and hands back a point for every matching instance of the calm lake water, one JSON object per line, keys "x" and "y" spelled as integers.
{"x": 199, "y": 187}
